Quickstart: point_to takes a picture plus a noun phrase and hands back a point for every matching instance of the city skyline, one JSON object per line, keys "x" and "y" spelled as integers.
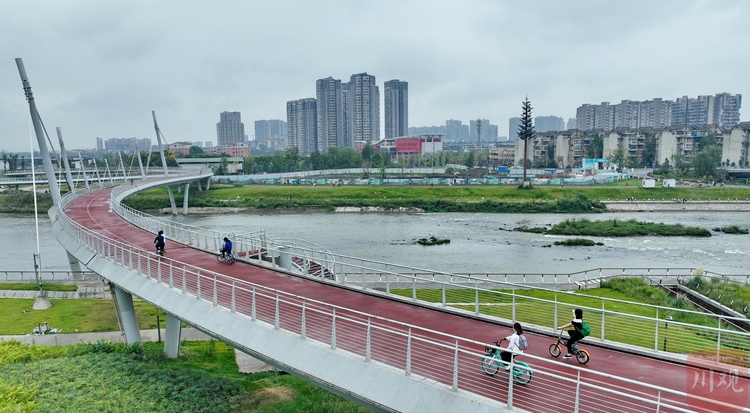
{"x": 100, "y": 72}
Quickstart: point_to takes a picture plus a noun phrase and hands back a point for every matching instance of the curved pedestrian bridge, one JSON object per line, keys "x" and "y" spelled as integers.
{"x": 337, "y": 324}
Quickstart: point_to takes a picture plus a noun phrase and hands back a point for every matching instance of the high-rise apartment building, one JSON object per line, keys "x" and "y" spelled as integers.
{"x": 513, "y": 124}
{"x": 266, "y": 130}
{"x": 363, "y": 109}
{"x": 302, "y": 129}
{"x": 127, "y": 144}
{"x": 548, "y": 123}
{"x": 571, "y": 124}
{"x": 330, "y": 114}
{"x": 99, "y": 144}
{"x": 722, "y": 110}
{"x": 230, "y": 129}
{"x": 488, "y": 131}
{"x": 396, "y": 103}
{"x": 455, "y": 130}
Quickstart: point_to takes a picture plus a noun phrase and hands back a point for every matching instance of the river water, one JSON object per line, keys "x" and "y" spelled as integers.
{"x": 480, "y": 242}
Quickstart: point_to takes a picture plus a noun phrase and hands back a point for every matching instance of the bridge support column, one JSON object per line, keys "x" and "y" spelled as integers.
{"x": 126, "y": 311}
{"x": 199, "y": 185}
{"x": 75, "y": 266}
{"x": 285, "y": 258}
{"x": 208, "y": 184}
{"x": 171, "y": 200}
{"x": 185, "y": 199}
{"x": 172, "y": 339}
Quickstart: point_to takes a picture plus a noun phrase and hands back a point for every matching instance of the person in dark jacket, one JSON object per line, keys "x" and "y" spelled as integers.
{"x": 575, "y": 334}
{"x": 160, "y": 241}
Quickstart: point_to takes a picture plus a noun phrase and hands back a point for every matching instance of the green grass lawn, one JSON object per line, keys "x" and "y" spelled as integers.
{"x": 70, "y": 315}
{"x": 35, "y": 287}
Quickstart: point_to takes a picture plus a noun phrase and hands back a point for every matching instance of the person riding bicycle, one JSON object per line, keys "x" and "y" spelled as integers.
{"x": 226, "y": 248}
{"x": 514, "y": 345}
{"x": 160, "y": 241}
{"x": 575, "y": 334}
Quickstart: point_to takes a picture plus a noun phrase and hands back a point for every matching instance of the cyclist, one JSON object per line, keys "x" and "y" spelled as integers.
{"x": 514, "y": 345}
{"x": 159, "y": 241}
{"x": 575, "y": 334}
{"x": 226, "y": 248}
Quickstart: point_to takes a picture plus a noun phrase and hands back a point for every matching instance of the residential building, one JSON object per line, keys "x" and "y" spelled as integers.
{"x": 266, "y": 130}
{"x": 513, "y": 125}
{"x": 721, "y": 110}
{"x": 301, "y": 118}
{"x": 571, "y": 123}
{"x": 396, "y": 103}
{"x": 363, "y": 108}
{"x": 99, "y": 144}
{"x": 182, "y": 148}
{"x": 548, "y": 123}
{"x": 455, "y": 130}
{"x": 329, "y": 114}
{"x": 126, "y": 144}
{"x": 485, "y": 128}
{"x": 230, "y": 128}
{"x": 235, "y": 150}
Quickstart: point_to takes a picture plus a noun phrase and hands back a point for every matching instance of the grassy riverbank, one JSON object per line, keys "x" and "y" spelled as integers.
{"x": 427, "y": 198}
{"x": 137, "y": 378}
{"x": 617, "y": 228}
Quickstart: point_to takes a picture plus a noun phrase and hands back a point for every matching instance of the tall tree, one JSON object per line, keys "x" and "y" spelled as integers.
{"x": 525, "y": 130}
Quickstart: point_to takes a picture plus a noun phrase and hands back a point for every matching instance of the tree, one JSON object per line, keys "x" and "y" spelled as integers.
{"x": 596, "y": 147}
{"x": 291, "y": 159}
{"x": 525, "y": 130}
{"x": 221, "y": 169}
{"x": 707, "y": 158}
{"x": 470, "y": 159}
{"x": 5, "y": 161}
{"x": 618, "y": 157}
{"x": 367, "y": 153}
{"x": 196, "y": 151}
{"x": 649, "y": 151}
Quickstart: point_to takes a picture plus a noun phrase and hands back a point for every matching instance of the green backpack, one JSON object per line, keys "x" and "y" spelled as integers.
{"x": 585, "y": 329}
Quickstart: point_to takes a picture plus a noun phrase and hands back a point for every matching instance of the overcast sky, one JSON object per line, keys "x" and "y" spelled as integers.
{"x": 98, "y": 68}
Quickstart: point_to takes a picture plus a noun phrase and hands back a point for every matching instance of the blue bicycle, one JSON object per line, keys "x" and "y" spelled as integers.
{"x": 492, "y": 361}
{"x": 227, "y": 257}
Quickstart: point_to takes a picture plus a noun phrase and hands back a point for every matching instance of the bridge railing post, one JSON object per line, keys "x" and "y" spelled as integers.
{"x": 455, "y": 367}
{"x": 333, "y": 330}
{"x": 368, "y": 342}
{"x": 234, "y": 298}
{"x": 252, "y": 308}
{"x": 215, "y": 298}
{"x": 303, "y": 326}
{"x": 277, "y": 316}
{"x": 198, "y": 286}
{"x": 408, "y": 353}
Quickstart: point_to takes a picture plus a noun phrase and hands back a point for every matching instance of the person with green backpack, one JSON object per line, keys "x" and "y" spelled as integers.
{"x": 580, "y": 330}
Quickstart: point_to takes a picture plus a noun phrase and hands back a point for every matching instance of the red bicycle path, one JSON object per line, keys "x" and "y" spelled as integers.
{"x": 93, "y": 211}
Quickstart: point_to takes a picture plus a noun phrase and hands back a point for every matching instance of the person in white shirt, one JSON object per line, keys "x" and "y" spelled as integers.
{"x": 514, "y": 345}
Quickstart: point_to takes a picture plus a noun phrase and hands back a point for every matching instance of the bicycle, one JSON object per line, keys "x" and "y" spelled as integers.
{"x": 492, "y": 361}
{"x": 580, "y": 354}
{"x": 227, "y": 257}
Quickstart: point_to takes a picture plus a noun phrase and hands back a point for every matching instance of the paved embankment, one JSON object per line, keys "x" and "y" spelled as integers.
{"x": 653, "y": 206}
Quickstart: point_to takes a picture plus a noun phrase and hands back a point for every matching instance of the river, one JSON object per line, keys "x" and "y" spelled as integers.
{"x": 480, "y": 242}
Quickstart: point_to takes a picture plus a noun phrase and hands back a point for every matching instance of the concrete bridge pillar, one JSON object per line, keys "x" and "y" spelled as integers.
{"x": 185, "y": 199}
{"x": 285, "y": 258}
{"x": 75, "y": 266}
{"x": 208, "y": 184}
{"x": 126, "y": 312}
{"x": 172, "y": 339}
{"x": 171, "y": 200}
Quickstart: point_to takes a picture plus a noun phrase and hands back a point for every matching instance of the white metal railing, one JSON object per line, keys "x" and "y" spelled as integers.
{"x": 450, "y": 360}
{"x": 46, "y": 275}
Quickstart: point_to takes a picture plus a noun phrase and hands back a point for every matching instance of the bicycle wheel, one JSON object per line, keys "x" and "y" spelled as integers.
{"x": 490, "y": 364}
{"x": 582, "y": 356}
{"x": 554, "y": 350}
{"x": 220, "y": 258}
{"x": 230, "y": 259}
{"x": 522, "y": 372}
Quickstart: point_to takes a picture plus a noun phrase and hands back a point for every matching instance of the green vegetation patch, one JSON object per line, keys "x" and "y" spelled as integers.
{"x": 428, "y": 199}
{"x": 35, "y": 287}
{"x": 23, "y": 201}
{"x": 732, "y": 229}
{"x": 116, "y": 377}
{"x": 732, "y": 294}
{"x": 432, "y": 240}
{"x": 575, "y": 242}
{"x": 618, "y": 228}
